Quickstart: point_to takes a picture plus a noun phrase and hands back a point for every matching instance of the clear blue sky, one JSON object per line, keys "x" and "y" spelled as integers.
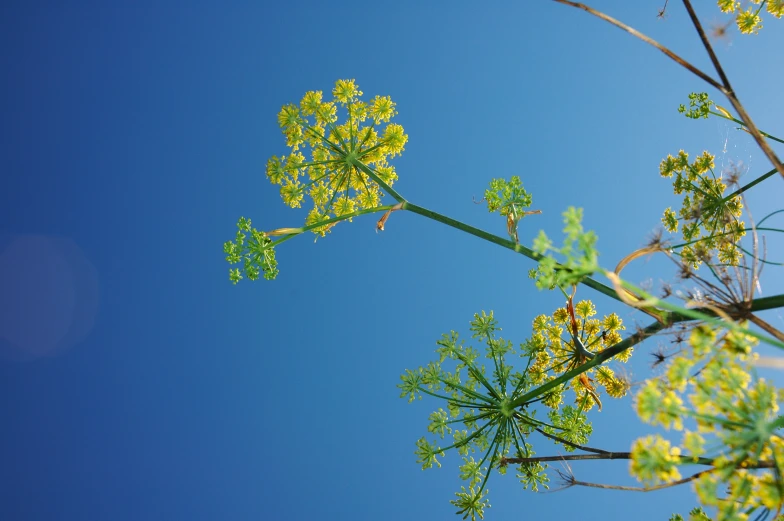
{"x": 138, "y": 384}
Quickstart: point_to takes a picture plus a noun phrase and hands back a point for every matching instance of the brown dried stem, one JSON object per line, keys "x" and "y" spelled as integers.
{"x": 724, "y": 87}
{"x": 730, "y": 93}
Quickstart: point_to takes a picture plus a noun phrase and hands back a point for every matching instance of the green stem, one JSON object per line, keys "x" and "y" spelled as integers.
{"x": 598, "y": 359}
{"x": 297, "y": 231}
{"x": 739, "y": 122}
{"x": 750, "y": 185}
{"x": 705, "y": 315}
{"x": 591, "y": 283}
{"x": 466, "y": 405}
{"x": 519, "y": 248}
{"x": 760, "y": 304}
{"x": 769, "y": 216}
{"x": 757, "y": 228}
{"x": 375, "y": 177}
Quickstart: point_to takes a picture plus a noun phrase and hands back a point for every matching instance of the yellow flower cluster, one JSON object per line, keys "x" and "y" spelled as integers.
{"x": 556, "y": 351}
{"x": 708, "y": 219}
{"x": 735, "y": 416}
{"x": 654, "y": 460}
{"x": 748, "y": 19}
{"x": 331, "y": 176}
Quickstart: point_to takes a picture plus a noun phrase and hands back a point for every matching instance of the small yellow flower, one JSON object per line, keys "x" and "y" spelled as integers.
{"x": 749, "y": 22}
{"x": 310, "y": 103}
{"x": 344, "y": 205}
{"x": 769, "y": 492}
{"x": 615, "y": 387}
{"x": 693, "y": 443}
{"x": 368, "y": 198}
{"x": 585, "y": 309}
{"x": 382, "y": 108}
{"x": 613, "y": 322}
{"x": 288, "y": 116}
{"x": 320, "y": 193}
{"x": 561, "y": 316}
{"x": 682, "y": 161}
{"x": 326, "y": 113}
{"x": 655, "y": 460}
{"x": 291, "y": 192}
{"x": 358, "y": 112}
{"x": 776, "y": 8}
{"x": 293, "y": 164}
{"x": 387, "y": 174}
{"x": 679, "y": 372}
{"x": 346, "y": 91}
{"x": 394, "y": 139}
{"x": 275, "y": 171}
{"x": 541, "y": 322}
{"x": 707, "y": 489}
{"x": 667, "y": 166}
{"x": 670, "y": 220}
{"x": 649, "y": 401}
{"x": 553, "y": 400}
{"x": 658, "y": 405}
{"x": 704, "y": 162}
{"x": 729, "y": 254}
{"x": 728, "y": 6}
{"x": 538, "y": 342}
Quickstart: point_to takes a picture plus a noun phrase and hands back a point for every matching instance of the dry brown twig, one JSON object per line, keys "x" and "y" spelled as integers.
{"x": 724, "y": 87}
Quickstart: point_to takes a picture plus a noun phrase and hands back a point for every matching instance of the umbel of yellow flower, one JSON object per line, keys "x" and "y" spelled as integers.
{"x": 329, "y": 160}
{"x": 563, "y": 341}
{"x": 709, "y": 220}
{"x": 747, "y": 17}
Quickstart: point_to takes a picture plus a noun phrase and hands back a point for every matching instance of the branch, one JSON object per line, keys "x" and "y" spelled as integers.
{"x": 571, "y": 457}
{"x": 519, "y": 248}
{"x": 707, "y": 45}
{"x": 724, "y": 88}
{"x": 569, "y": 443}
{"x": 605, "y": 455}
{"x": 572, "y": 482}
{"x": 754, "y": 319}
{"x": 680, "y": 61}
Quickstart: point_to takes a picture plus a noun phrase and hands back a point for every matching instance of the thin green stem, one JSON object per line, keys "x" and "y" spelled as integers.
{"x": 470, "y": 392}
{"x": 519, "y": 248}
{"x": 598, "y": 359}
{"x": 470, "y": 437}
{"x": 739, "y": 122}
{"x": 375, "y": 177}
{"x": 769, "y": 216}
{"x": 750, "y": 185}
{"x": 723, "y": 234}
{"x": 493, "y": 446}
{"x": 297, "y": 231}
{"x": 760, "y": 304}
{"x": 467, "y": 405}
{"x": 702, "y": 315}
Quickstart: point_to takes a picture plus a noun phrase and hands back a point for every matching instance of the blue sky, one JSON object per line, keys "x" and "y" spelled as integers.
{"x": 138, "y": 383}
